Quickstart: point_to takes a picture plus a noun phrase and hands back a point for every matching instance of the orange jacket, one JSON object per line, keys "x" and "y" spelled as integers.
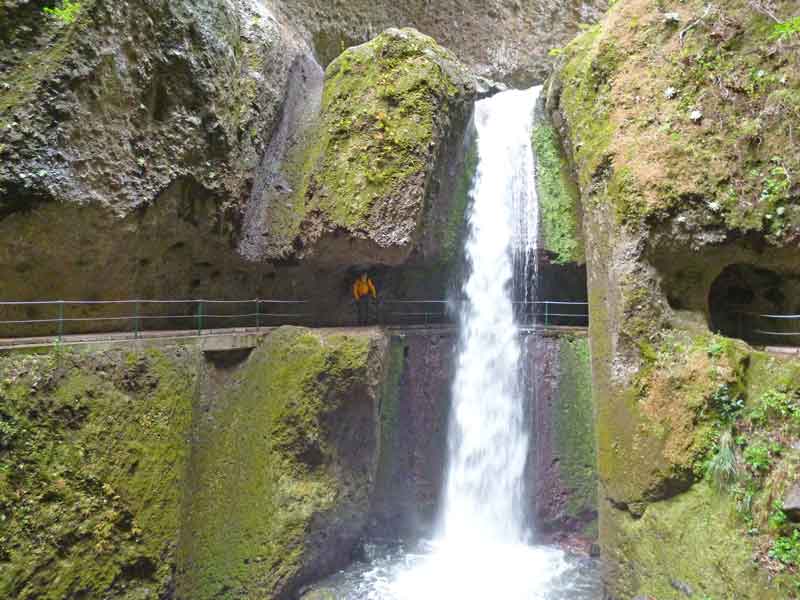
{"x": 362, "y": 287}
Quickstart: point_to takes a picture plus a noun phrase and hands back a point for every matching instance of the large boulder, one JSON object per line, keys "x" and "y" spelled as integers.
{"x": 364, "y": 186}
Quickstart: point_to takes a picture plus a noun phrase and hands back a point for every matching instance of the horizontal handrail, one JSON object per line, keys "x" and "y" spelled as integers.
{"x": 199, "y": 314}
{"x": 98, "y": 302}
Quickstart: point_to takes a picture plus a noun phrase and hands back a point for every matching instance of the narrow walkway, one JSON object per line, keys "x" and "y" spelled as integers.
{"x": 222, "y": 339}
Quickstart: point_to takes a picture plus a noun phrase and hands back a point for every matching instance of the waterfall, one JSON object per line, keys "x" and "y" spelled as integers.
{"x": 488, "y": 441}
{"x": 483, "y": 547}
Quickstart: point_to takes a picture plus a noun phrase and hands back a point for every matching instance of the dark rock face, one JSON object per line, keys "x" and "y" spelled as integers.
{"x": 414, "y": 436}
{"x": 562, "y": 464}
{"x": 506, "y": 41}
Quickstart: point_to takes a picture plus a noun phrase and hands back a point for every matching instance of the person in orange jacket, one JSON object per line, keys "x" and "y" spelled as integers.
{"x": 363, "y": 288}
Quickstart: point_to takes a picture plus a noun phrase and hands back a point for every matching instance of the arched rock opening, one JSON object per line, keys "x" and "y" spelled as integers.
{"x": 750, "y": 303}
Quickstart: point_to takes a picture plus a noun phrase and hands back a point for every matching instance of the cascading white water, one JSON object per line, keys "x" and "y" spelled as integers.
{"x": 483, "y": 548}
{"x": 488, "y": 441}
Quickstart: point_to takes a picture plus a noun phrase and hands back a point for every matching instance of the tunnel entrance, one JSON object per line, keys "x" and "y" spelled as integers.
{"x": 757, "y": 305}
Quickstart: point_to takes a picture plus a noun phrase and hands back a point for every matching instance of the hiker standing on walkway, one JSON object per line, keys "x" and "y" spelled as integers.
{"x": 362, "y": 289}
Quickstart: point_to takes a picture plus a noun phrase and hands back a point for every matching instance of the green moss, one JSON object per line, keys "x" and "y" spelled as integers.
{"x": 587, "y": 68}
{"x": 384, "y": 108}
{"x": 267, "y": 468}
{"x": 629, "y": 91}
{"x": 90, "y": 480}
{"x": 23, "y": 80}
{"x": 558, "y": 198}
{"x": 574, "y": 426}
{"x": 692, "y": 539}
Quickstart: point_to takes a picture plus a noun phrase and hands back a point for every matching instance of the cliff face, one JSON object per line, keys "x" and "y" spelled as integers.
{"x": 679, "y": 120}
{"x": 182, "y": 141}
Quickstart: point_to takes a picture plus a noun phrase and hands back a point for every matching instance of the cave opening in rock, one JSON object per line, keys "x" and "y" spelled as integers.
{"x": 755, "y": 304}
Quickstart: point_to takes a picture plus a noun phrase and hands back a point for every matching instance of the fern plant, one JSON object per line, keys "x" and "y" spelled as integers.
{"x": 786, "y": 29}
{"x": 723, "y": 468}
{"x": 66, "y": 12}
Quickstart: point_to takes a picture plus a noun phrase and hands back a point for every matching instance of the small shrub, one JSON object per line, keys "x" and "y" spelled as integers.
{"x": 775, "y": 404}
{"x": 66, "y": 12}
{"x": 777, "y": 519}
{"x": 757, "y": 457}
{"x": 728, "y": 403}
{"x": 786, "y": 549}
{"x": 715, "y": 348}
{"x": 786, "y": 29}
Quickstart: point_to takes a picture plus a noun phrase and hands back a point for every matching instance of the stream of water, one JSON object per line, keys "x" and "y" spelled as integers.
{"x": 483, "y": 547}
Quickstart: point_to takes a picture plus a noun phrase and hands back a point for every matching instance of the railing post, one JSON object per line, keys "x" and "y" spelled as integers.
{"x": 258, "y": 313}
{"x": 60, "y": 321}
{"x": 136, "y": 324}
{"x": 546, "y": 313}
{"x": 199, "y": 317}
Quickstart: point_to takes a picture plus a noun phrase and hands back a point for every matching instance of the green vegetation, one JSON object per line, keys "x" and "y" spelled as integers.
{"x": 722, "y": 468}
{"x": 787, "y": 549}
{"x": 558, "y": 202}
{"x": 786, "y": 29}
{"x": 66, "y": 12}
{"x": 757, "y": 457}
{"x": 92, "y": 460}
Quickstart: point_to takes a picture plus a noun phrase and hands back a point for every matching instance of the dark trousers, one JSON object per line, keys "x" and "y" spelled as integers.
{"x": 363, "y": 310}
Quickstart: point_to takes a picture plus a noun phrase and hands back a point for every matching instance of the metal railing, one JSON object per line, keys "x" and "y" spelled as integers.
{"x": 54, "y": 317}
{"x": 766, "y": 327}
{"x": 552, "y": 313}
{"x": 58, "y": 318}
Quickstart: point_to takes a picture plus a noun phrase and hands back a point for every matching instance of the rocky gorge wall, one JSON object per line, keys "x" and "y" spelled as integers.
{"x": 173, "y": 473}
{"x": 678, "y": 120}
{"x": 185, "y": 149}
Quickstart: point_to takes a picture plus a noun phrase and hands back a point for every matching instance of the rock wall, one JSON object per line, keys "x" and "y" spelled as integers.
{"x": 178, "y": 126}
{"x": 414, "y": 436}
{"x": 93, "y": 455}
{"x": 678, "y": 120}
{"x": 562, "y": 471}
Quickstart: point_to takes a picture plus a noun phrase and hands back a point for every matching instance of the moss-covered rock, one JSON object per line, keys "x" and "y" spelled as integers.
{"x": 559, "y": 207}
{"x": 284, "y": 465}
{"x": 388, "y": 108}
{"x": 574, "y": 429}
{"x": 654, "y": 113}
{"x": 93, "y": 451}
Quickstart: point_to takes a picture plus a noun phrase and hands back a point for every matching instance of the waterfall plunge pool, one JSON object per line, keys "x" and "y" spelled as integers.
{"x": 444, "y": 571}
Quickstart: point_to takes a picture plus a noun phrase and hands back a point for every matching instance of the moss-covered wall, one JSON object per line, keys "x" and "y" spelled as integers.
{"x": 559, "y": 208}
{"x": 284, "y": 465}
{"x": 93, "y": 451}
{"x": 562, "y": 466}
{"x": 677, "y": 119}
{"x": 173, "y": 473}
{"x": 574, "y": 428}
